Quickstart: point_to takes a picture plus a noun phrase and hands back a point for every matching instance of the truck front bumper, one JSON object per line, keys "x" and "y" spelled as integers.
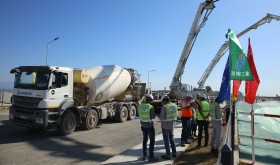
{"x": 33, "y": 119}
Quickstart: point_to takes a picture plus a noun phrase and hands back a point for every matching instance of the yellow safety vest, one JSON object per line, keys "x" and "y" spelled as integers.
{"x": 205, "y": 110}
{"x": 144, "y": 112}
{"x": 171, "y": 112}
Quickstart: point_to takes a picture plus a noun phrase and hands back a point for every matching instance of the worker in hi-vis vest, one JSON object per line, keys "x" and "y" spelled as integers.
{"x": 216, "y": 120}
{"x": 203, "y": 120}
{"x": 186, "y": 116}
{"x": 168, "y": 117}
{"x": 146, "y": 113}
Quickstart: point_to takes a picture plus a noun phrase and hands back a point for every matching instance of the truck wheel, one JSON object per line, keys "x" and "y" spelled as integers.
{"x": 91, "y": 120}
{"x": 68, "y": 123}
{"x": 132, "y": 113}
{"x": 122, "y": 114}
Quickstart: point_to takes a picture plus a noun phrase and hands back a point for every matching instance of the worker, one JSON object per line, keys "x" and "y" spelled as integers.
{"x": 193, "y": 124}
{"x": 203, "y": 120}
{"x": 146, "y": 113}
{"x": 216, "y": 120}
{"x": 195, "y": 111}
{"x": 168, "y": 117}
{"x": 186, "y": 116}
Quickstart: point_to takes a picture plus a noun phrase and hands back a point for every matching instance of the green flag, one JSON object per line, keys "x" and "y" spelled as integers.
{"x": 239, "y": 66}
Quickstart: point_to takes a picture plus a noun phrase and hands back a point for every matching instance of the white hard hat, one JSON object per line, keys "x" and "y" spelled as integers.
{"x": 202, "y": 95}
{"x": 150, "y": 96}
{"x": 189, "y": 94}
{"x": 164, "y": 97}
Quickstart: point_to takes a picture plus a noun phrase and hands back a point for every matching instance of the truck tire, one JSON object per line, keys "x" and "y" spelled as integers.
{"x": 122, "y": 114}
{"x": 68, "y": 123}
{"x": 132, "y": 113}
{"x": 91, "y": 120}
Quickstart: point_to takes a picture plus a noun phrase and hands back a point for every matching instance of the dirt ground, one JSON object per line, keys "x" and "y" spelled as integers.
{"x": 198, "y": 156}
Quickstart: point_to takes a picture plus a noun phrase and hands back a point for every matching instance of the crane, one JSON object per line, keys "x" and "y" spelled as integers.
{"x": 177, "y": 88}
{"x": 223, "y": 49}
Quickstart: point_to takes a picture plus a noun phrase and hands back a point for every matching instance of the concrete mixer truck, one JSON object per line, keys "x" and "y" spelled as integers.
{"x": 48, "y": 97}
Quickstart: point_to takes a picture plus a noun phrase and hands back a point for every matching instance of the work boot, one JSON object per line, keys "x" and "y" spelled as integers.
{"x": 187, "y": 142}
{"x": 153, "y": 159}
{"x": 174, "y": 155}
{"x": 167, "y": 157}
{"x": 145, "y": 157}
{"x": 182, "y": 144}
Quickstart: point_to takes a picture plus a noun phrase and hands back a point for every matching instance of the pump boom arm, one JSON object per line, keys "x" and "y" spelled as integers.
{"x": 208, "y": 5}
{"x": 223, "y": 49}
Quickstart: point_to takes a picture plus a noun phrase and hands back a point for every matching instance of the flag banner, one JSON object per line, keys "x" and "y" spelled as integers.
{"x": 251, "y": 87}
{"x": 239, "y": 67}
{"x": 235, "y": 87}
{"x": 224, "y": 93}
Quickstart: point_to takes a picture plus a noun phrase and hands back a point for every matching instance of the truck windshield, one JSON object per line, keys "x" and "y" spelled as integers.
{"x": 32, "y": 80}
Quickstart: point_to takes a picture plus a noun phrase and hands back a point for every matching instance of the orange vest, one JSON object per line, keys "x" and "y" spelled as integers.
{"x": 186, "y": 112}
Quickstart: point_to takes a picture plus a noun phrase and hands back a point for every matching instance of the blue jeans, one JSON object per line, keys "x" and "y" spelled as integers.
{"x": 186, "y": 124}
{"x": 168, "y": 136}
{"x": 151, "y": 133}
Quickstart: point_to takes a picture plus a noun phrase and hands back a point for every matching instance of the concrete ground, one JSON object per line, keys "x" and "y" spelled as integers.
{"x": 134, "y": 155}
{"x": 185, "y": 155}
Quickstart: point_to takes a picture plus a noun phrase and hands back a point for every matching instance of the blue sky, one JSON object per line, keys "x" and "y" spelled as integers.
{"x": 139, "y": 34}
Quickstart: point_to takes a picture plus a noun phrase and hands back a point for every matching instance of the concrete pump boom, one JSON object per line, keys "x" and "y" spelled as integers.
{"x": 207, "y": 6}
{"x": 224, "y": 47}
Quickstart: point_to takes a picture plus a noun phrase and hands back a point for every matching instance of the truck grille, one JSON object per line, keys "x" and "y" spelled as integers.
{"x": 26, "y": 102}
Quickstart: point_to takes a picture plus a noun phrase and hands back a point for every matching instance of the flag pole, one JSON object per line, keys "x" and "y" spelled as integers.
{"x": 253, "y": 134}
{"x": 232, "y": 128}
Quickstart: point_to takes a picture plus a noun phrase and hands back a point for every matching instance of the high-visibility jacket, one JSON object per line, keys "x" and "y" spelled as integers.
{"x": 204, "y": 110}
{"x": 171, "y": 111}
{"x": 194, "y": 113}
{"x": 186, "y": 112}
{"x": 144, "y": 110}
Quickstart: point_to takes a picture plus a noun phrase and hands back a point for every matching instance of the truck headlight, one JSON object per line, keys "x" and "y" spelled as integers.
{"x": 11, "y": 116}
{"x": 39, "y": 120}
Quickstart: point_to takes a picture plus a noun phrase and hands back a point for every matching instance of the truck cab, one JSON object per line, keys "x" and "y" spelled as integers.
{"x": 40, "y": 95}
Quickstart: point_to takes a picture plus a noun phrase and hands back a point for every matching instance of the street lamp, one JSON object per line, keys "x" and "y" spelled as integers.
{"x": 149, "y": 80}
{"x": 48, "y": 49}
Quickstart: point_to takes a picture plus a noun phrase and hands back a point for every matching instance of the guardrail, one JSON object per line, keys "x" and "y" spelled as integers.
{"x": 265, "y": 115}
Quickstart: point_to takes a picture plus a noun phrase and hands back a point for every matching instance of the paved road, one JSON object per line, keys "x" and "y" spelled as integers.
{"x": 19, "y": 145}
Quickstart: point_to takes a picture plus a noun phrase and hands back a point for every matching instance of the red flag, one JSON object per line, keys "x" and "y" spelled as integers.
{"x": 235, "y": 87}
{"x": 251, "y": 87}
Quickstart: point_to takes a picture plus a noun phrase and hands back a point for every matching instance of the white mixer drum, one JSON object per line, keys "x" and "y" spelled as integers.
{"x": 105, "y": 82}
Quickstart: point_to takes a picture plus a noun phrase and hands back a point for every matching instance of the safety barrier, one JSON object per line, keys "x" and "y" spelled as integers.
{"x": 252, "y": 137}
{"x": 267, "y": 140}
{"x": 265, "y": 115}
{"x": 261, "y": 114}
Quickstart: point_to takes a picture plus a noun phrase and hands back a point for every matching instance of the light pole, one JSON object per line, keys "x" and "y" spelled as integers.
{"x": 48, "y": 49}
{"x": 149, "y": 80}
